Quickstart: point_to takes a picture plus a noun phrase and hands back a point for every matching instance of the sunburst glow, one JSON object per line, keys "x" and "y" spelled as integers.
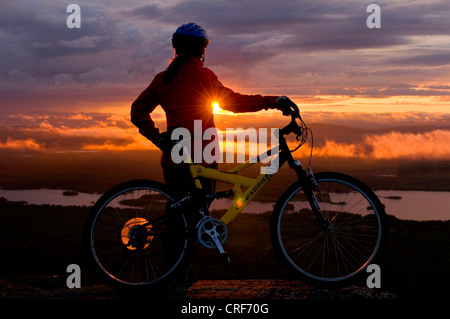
{"x": 216, "y": 107}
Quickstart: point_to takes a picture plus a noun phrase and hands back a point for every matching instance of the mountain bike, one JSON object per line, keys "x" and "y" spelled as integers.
{"x": 326, "y": 228}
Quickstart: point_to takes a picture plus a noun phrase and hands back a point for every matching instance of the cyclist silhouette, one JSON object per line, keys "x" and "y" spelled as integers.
{"x": 186, "y": 91}
{"x": 325, "y": 227}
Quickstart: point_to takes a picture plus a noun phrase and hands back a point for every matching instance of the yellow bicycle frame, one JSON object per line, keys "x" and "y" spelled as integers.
{"x": 241, "y": 197}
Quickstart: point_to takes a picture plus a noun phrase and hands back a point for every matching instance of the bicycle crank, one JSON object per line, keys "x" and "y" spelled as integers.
{"x": 212, "y": 233}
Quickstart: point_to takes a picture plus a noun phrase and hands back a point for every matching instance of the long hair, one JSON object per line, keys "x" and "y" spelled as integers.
{"x": 173, "y": 68}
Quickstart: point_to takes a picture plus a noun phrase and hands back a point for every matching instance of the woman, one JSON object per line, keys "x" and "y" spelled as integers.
{"x": 186, "y": 91}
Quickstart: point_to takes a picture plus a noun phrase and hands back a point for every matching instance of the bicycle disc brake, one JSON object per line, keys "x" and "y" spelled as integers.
{"x": 135, "y": 235}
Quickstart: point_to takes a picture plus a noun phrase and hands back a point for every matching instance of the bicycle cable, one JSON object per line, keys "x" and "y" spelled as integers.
{"x": 304, "y": 129}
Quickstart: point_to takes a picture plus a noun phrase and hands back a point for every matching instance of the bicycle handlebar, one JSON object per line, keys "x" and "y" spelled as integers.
{"x": 292, "y": 127}
{"x": 287, "y": 107}
{"x": 295, "y": 112}
{"x": 299, "y": 129}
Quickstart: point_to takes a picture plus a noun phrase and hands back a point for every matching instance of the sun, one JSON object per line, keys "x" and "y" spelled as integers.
{"x": 216, "y": 107}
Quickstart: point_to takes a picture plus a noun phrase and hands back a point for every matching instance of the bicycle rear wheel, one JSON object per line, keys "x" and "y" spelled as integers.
{"x": 132, "y": 237}
{"x": 334, "y": 257}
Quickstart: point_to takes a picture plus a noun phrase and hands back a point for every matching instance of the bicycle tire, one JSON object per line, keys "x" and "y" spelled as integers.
{"x": 119, "y": 248}
{"x": 336, "y": 258}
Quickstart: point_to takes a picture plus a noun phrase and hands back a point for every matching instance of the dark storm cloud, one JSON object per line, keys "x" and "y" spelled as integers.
{"x": 314, "y": 25}
{"x": 35, "y": 39}
{"x": 42, "y": 28}
{"x": 431, "y": 59}
{"x": 255, "y": 33}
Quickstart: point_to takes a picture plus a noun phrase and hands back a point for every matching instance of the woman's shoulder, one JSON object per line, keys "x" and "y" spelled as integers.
{"x": 209, "y": 73}
{"x": 159, "y": 77}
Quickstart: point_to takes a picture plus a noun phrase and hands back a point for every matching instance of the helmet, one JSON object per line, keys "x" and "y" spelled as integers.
{"x": 189, "y": 37}
{"x": 192, "y": 30}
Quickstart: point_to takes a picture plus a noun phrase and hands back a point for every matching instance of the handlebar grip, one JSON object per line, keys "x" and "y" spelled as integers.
{"x": 288, "y": 107}
{"x": 296, "y": 111}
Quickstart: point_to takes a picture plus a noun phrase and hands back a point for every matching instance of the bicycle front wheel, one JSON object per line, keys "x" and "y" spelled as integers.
{"x": 336, "y": 256}
{"x": 132, "y": 237}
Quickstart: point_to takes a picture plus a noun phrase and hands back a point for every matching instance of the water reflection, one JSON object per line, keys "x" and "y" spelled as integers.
{"x": 414, "y": 205}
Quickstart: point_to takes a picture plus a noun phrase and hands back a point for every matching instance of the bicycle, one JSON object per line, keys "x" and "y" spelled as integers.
{"x": 326, "y": 228}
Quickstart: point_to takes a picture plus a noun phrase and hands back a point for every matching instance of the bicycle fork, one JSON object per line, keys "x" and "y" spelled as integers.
{"x": 309, "y": 184}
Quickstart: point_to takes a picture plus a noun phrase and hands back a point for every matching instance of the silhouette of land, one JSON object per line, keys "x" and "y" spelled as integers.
{"x": 96, "y": 172}
{"x": 40, "y": 241}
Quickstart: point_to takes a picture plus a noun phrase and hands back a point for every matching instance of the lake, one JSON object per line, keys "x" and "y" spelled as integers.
{"x": 415, "y": 205}
{"x": 49, "y": 196}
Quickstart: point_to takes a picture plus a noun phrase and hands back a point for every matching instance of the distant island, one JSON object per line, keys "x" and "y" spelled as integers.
{"x": 70, "y": 193}
{"x": 392, "y": 197}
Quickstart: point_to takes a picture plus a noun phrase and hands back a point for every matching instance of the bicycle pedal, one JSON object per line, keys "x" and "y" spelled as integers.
{"x": 226, "y": 260}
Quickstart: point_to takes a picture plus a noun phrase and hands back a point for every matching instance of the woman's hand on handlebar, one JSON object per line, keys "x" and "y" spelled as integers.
{"x": 287, "y": 106}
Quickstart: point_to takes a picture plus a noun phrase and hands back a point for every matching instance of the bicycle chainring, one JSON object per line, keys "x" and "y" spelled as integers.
{"x": 211, "y": 227}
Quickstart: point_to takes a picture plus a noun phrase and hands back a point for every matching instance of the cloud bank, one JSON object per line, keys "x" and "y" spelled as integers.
{"x": 66, "y": 132}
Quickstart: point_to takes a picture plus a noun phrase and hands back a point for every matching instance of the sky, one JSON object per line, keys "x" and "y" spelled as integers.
{"x": 63, "y": 88}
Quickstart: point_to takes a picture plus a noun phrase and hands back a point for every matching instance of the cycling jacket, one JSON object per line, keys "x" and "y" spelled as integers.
{"x": 188, "y": 97}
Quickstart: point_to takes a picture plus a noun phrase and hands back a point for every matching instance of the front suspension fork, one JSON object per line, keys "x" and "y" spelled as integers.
{"x": 309, "y": 184}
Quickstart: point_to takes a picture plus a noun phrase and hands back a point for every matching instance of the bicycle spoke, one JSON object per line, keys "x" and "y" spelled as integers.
{"x": 133, "y": 239}
{"x": 334, "y": 254}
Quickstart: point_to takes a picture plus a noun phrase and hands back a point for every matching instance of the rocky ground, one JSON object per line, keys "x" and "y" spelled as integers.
{"x": 205, "y": 289}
